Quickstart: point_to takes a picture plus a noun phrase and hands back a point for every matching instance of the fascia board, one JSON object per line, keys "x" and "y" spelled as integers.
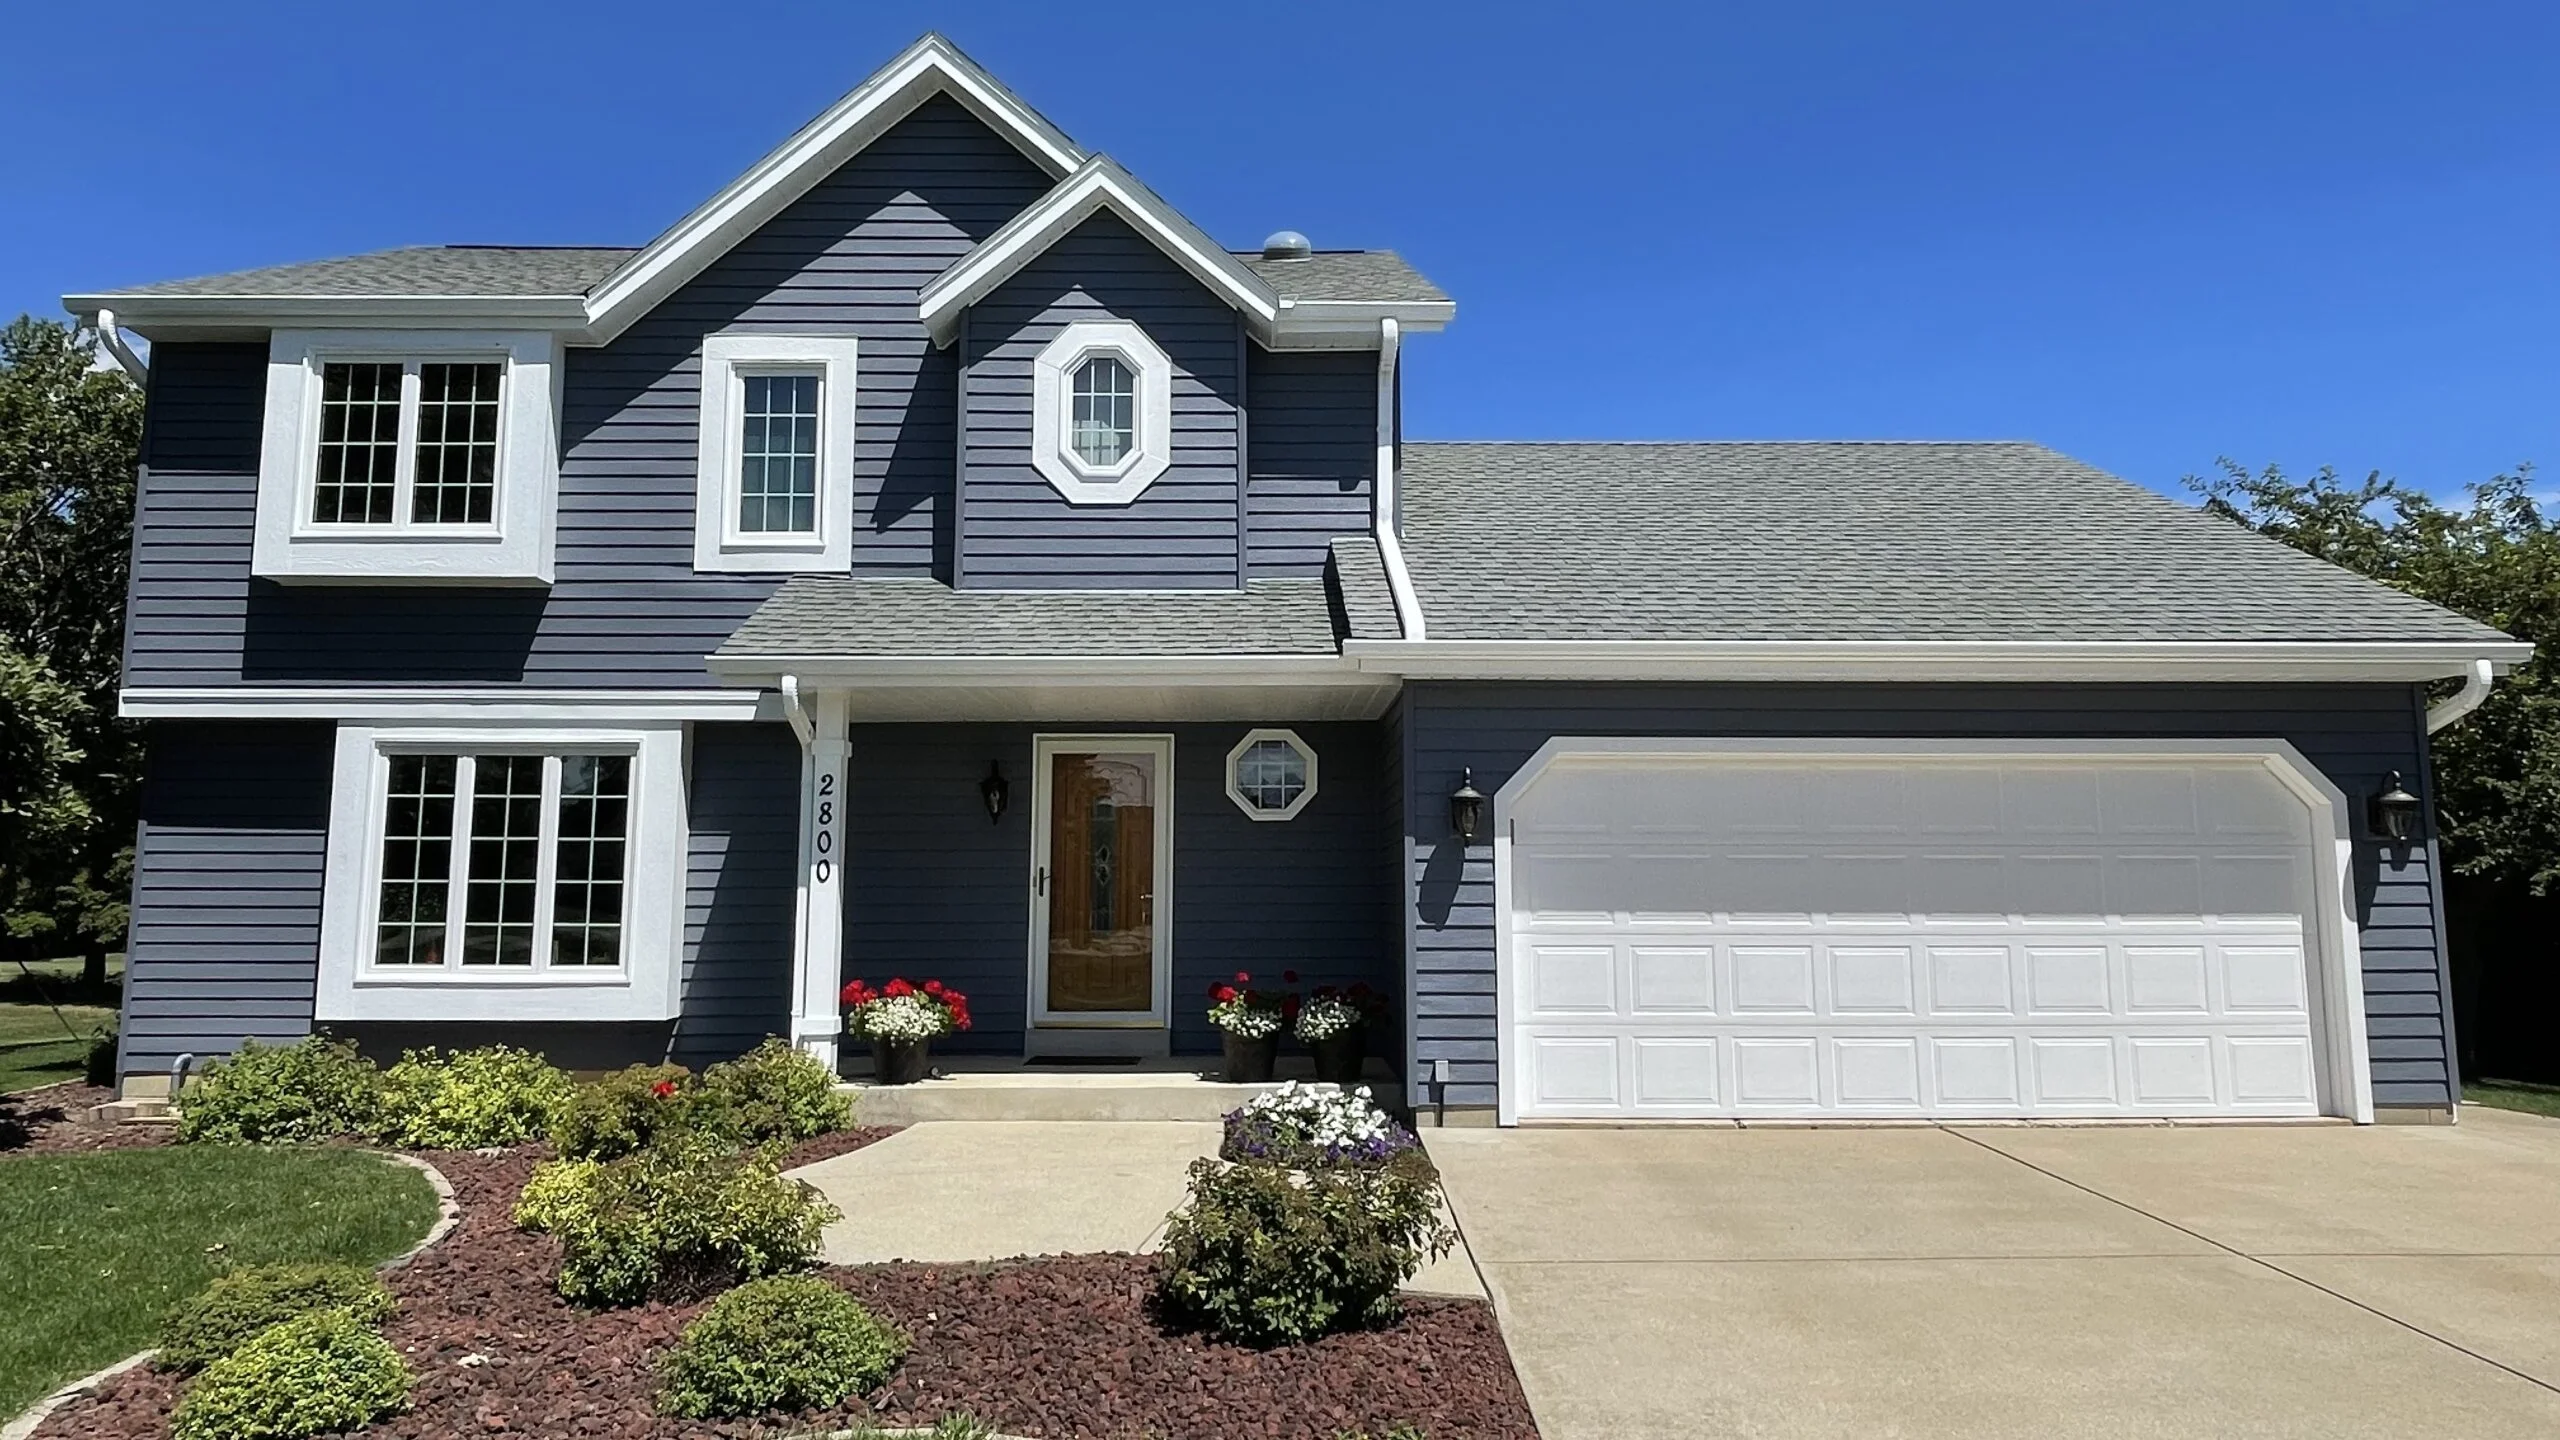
{"x": 2394, "y": 661}
{"x": 960, "y": 671}
{"x": 536, "y": 312}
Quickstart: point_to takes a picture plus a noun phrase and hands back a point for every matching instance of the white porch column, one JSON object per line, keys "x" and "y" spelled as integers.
{"x": 817, "y": 961}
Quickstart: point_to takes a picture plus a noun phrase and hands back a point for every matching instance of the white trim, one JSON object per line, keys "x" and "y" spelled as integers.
{"x": 2346, "y": 1080}
{"x": 963, "y": 669}
{"x": 718, "y": 543}
{"x": 1387, "y": 520}
{"x": 932, "y": 66}
{"x": 111, "y": 339}
{"x": 1097, "y": 184}
{"x": 516, "y": 544}
{"x": 1052, "y": 413}
{"x": 818, "y": 919}
{"x": 429, "y": 704}
{"x": 1306, "y": 752}
{"x": 2028, "y": 660}
{"x": 1144, "y": 1031}
{"x": 643, "y": 987}
{"x": 2475, "y": 688}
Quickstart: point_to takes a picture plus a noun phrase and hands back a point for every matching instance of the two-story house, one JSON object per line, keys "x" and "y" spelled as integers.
{"x": 936, "y": 556}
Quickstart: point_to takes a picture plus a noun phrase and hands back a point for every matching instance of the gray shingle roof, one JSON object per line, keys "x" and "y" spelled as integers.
{"x": 845, "y": 618}
{"x": 1365, "y": 275}
{"x": 418, "y": 271}
{"x": 1874, "y": 542}
{"x": 1368, "y": 606}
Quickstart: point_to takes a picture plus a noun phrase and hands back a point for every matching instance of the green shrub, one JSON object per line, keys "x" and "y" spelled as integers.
{"x": 324, "y": 1372}
{"x": 1266, "y": 1255}
{"x": 682, "y": 1218}
{"x": 310, "y": 1090}
{"x": 554, "y": 1187}
{"x": 788, "y": 1343}
{"x": 632, "y": 1109}
{"x": 469, "y": 1099}
{"x": 240, "y": 1306}
{"x": 778, "y": 1092}
{"x": 98, "y": 1062}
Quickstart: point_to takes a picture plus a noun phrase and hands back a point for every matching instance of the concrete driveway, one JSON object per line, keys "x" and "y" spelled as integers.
{"x": 2324, "y": 1281}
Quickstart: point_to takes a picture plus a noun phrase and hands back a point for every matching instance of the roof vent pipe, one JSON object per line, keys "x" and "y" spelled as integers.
{"x": 1286, "y": 245}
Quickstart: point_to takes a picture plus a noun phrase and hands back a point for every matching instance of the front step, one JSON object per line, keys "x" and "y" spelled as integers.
{"x": 968, "y": 1088}
{"x": 141, "y": 1110}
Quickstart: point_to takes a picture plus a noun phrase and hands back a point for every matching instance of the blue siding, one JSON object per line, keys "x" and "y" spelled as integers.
{"x": 1311, "y": 456}
{"x": 934, "y": 890}
{"x": 1185, "y": 530}
{"x": 2355, "y": 734}
{"x": 741, "y": 887}
{"x": 226, "y": 890}
{"x": 628, "y": 610}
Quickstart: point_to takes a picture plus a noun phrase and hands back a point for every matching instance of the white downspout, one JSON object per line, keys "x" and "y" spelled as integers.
{"x": 1389, "y": 522}
{"x": 113, "y": 339}
{"x": 2475, "y": 688}
{"x": 796, "y": 712}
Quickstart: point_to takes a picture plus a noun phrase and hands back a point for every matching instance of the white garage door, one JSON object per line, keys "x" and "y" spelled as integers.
{"x": 1700, "y": 936}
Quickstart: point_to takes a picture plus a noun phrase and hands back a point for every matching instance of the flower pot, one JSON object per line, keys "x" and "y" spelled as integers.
{"x": 900, "y": 1062}
{"x": 1339, "y": 1056}
{"x": 1247, "y": 1062}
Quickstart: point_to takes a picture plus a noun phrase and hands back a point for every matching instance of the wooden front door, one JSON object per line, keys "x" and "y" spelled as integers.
{"x": 1099, "y": 876}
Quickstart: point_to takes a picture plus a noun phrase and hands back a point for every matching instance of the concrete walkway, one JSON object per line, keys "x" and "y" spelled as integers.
{"x": 993, "y": 1189}
{"x": 2035, "y": 1283}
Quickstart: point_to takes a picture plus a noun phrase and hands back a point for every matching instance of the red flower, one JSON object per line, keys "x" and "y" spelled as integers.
{"x": 856, "y": 994}
{"x": 1244, "y": 977}
{"x": 933, "y": 987}
{"x": 663, "y": 1089}
{"x": 896, "y": 988}
{"x": 1221, "y": 994}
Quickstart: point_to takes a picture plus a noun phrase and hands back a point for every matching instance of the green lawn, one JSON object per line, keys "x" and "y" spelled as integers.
{"x": 33, "y": 1048}
{"x": 24, "y": 1067}
{"x": 99, "y": 1246}
{"x": 2515, "y": 1095}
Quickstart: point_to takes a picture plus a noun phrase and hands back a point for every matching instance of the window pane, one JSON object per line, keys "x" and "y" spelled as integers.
{"x": 417, "y": 861}
{"x": 586, "y": 906}
{"x": 1103, "y": 422}
{"x": 778, "y": 455}
{"x": 457, "y": 481}
{"x": 506, "y": 853}
{"x": 359, "y": 444}
{"x": 1271, "y": 775}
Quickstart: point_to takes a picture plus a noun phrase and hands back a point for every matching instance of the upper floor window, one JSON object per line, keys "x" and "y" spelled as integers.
{"x": 1101, "y": 412}
{"x": 408, "y": 456}
{"x": 775, "y": 490}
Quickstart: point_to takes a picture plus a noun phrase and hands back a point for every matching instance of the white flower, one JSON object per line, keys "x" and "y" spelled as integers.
{"x": 1244, "y": 1020}
{"x": 1320, "y": 1114}
{"x": 900, "y": 1017}
{"x": 1326, "y": 1016}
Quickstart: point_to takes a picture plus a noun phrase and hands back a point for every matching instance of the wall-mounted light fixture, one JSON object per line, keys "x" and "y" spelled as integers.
{"x": 994, "y": 790}
{"x": 1466, "y": 807}
{"x": 2394, "y": 811}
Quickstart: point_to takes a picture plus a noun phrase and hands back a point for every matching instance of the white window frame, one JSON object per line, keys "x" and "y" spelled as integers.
{"x": 719, "y": 545}
{"x": 516, "y": 543}
{"x": 642, "y": 987}
{"x": 1235, "y": 757}
{"x": 1053, "y": 450}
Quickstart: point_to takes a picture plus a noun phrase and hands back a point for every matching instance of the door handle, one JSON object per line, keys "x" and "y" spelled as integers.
{"x": 1040, "y": 881}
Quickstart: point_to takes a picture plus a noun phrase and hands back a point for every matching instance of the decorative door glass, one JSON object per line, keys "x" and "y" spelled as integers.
{"x": 1102, "y": 883}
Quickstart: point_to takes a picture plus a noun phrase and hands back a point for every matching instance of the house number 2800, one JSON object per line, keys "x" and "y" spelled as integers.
{"x": 822, "y": 839}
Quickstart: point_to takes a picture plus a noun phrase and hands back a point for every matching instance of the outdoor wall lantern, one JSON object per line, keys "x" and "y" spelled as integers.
{"x": 994, "y": 790}
{"x": 2394, "y": 811}
{"x": 1466, "y": 807}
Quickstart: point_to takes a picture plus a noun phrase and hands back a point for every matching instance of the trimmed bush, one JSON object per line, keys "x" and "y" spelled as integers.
{"x": 552, "y": 1190}
{"x": 314, "y": 1089}
{"x": 470, "y": 1099}
{"x": 789, "y": 1343}
{"x": 324, "y": 1372}
{"x": 679, "y": 1220}
{"x": 631, "y": 1109}
{"x": 1266, "y": 1255}
{"x": 241, "y": 1306}
{"x": 777, "y": 1092}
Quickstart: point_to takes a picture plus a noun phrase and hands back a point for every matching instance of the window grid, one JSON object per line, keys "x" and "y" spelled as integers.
{"x": 1271, "y": 774}
{"x": 417, "y": 861}
{"x": 778, "y": 455}
{"x": 1103, "y": 425}
{"x": 357, "y": 480}
{"x": 586, "y": 910}
{"x": 457, "y": 450}
{"x": 504, "y": 880}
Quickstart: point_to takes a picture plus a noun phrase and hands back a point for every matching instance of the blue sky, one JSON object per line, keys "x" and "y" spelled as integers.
{"x": 2146, "y": 234}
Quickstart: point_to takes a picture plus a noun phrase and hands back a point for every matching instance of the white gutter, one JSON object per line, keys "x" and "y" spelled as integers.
{"x": 2475, "y": 688}
{"x": 797, "y": 713}
{"x": 113, "y": 339}
{"x": 1388, "y": 524}
{"x": 2402, "y": 661}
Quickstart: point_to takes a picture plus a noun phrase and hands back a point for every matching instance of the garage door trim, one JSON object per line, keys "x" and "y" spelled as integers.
{"x": 2346, "y": 1079}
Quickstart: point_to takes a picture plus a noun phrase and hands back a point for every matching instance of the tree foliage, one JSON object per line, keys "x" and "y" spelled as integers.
{"x": 70, "y": 437}
{"x": 2494, "y": 557}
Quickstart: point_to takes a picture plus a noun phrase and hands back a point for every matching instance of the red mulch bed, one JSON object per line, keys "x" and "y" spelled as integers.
{"x": 54, "y": 1120}
{"x": 1055, "y": 1347}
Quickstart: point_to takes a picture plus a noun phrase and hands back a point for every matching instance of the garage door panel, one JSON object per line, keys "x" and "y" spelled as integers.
{"x": 1984, "y": 939}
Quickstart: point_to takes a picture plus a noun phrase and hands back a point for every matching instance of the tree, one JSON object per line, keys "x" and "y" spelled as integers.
{"x": 2495, "y": 558}
{"x": 70, "y": 439}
